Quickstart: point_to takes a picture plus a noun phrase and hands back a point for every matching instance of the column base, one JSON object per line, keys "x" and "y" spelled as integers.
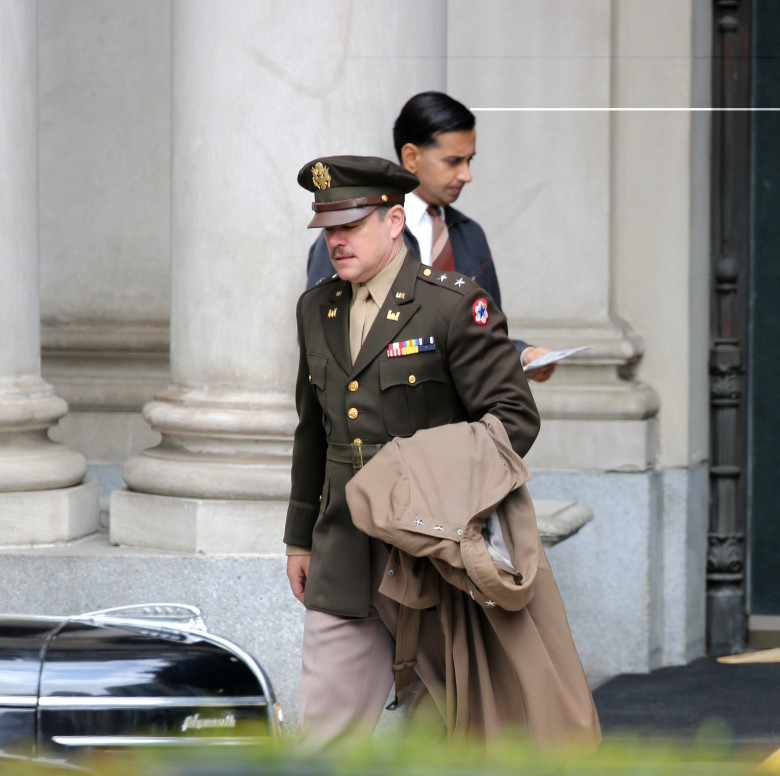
{"x": 594, "y": 445}
{"x": 208, "y": 526}
{"x": 29, "y": 460}
{"x": 48, "y": 516}
{"x": 217, "y": 443}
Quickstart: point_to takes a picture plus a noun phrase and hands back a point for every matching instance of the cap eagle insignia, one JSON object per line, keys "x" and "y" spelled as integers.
{"x": 320, "y": 176}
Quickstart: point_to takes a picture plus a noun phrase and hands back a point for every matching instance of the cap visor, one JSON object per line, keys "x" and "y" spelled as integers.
{"x": 340, "y": 217}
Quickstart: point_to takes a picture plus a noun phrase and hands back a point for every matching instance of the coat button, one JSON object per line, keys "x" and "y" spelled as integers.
{"x": 412, "y": 379}
{"x": 309, "y": 378}
{"x": 352, "y": 413}
{"x": 391, "y": 573}
{"x": 427, "y": 272}
{"x": 357, "y": 441}
{"x": 353, "y": 385}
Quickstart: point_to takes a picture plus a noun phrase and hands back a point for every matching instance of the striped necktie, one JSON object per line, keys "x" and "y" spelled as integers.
{"x": 441, "y": 250}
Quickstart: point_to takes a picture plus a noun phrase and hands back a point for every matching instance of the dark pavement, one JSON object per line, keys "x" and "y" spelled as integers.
{"x": 734, "y": 704}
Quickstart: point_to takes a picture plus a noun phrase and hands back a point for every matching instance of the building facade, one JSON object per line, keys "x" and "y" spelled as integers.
{"x": 153, "y": 247}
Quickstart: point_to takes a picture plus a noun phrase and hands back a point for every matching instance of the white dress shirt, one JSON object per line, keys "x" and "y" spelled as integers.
{"x": 420, "y": 224}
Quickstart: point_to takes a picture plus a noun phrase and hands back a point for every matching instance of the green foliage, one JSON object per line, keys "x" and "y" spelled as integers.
{"x": 423, "y": 751}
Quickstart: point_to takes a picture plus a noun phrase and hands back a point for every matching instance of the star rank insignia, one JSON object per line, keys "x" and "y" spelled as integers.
{"x": 437, "y": 528}
{"x": 459, "y": 282}
{"x": 442, "y": 278}
{"x": 418, "y": 522}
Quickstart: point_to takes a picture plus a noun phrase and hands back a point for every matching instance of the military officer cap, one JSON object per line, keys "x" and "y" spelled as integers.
{"x": 348, "y": 188}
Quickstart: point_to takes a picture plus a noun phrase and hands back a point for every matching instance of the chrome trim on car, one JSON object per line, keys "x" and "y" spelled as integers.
{"x": 120, "y": 615}
{"x": 240, "y": 653}
{"x": 170, "y": 615}
{"x": 19, "y": 701}
{"x": 161, "y": 702}
{"x": 153, "y": 741}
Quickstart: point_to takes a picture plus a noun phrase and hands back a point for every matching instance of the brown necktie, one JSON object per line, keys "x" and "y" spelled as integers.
{"x": 358, "y": 317}
{"x": 441, "y": 251}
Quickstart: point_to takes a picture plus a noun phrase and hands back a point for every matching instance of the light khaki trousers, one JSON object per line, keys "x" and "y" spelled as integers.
{"x": 347, "y": 665}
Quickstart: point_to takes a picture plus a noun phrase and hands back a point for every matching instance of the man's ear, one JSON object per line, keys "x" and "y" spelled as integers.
{"x": 397, "y": 218}
{"x": 410, "y": 157}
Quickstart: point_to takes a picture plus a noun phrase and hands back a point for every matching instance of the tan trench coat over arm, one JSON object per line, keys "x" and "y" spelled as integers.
{"x": 512, "y": 660}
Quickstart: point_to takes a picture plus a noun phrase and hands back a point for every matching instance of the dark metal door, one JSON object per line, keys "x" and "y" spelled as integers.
{"x": 764, "y": 367}
{"x": 729, "y": 325}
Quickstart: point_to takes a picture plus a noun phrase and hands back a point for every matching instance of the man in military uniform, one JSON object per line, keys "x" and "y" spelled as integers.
{"x": 388, "y": 346}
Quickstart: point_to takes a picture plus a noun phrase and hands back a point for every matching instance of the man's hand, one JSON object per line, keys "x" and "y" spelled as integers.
{"x": 297, "y": 573}
{"x": 539, "y": 375}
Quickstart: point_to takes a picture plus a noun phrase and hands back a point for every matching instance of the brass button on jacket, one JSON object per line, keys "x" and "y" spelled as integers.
{"x": 412, "y": 379}
{"x": 353, "y": 385}
{"x": 352, "y": 413}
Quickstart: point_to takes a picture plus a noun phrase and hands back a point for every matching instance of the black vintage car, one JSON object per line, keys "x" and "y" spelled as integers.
{"x": 140, "y": 676}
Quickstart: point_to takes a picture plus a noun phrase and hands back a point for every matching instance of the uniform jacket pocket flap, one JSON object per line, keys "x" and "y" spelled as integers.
{"x": 410, "y": 370}
{"x": 317, "y": 366}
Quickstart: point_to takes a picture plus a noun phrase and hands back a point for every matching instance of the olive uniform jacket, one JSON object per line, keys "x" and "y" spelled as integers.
{"x": 453, "y": 503}
{"x": 464, "y": 367}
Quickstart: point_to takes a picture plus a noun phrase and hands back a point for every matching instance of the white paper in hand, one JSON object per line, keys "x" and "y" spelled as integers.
{"x": 551, "y": 358}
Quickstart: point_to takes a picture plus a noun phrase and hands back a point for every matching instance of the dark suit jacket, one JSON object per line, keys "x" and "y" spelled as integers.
{"x": 473, "y": 370}
{"x": 470, "y": 252}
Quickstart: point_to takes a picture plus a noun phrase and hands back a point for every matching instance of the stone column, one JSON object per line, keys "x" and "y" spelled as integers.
{"x": 41, "y": 498}
{"x": 246, "y": 117}
{"x": 597, "y": 221}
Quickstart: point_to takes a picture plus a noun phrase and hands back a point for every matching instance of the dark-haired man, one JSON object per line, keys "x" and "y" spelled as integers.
{"x": 388, "y": 347}
{"x": 435, "y": 138}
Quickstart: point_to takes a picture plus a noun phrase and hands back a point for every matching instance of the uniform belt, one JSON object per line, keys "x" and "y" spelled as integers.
{"x": 355, "y": 453}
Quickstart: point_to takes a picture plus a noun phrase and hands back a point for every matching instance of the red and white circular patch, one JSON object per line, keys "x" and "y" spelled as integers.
{"x": 480, "y": 312}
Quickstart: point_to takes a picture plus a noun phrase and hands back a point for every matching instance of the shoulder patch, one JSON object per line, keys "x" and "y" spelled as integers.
{"x": 452, "y": 280}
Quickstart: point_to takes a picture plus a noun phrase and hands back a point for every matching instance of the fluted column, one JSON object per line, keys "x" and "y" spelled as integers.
{"x": 41, "y": 498}
{"x": 246, "y": 115}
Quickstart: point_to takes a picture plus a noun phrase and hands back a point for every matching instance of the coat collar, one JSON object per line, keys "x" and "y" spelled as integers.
{"x": 453, "y": 216}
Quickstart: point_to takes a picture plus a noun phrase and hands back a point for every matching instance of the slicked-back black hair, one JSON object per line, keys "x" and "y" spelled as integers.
{"x": 426, "y": 115}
